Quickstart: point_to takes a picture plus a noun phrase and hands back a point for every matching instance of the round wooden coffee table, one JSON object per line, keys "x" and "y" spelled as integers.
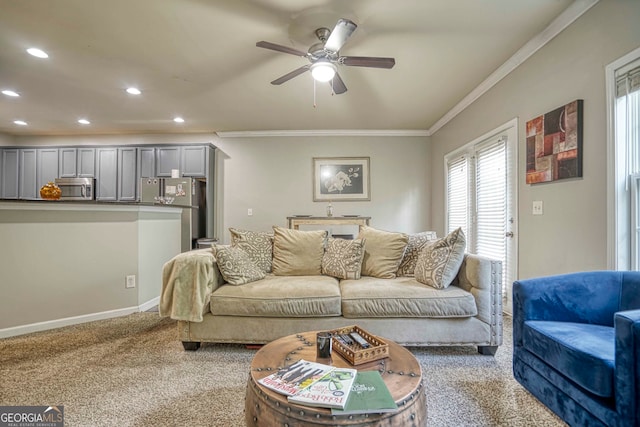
{"x": 401, "y": 373}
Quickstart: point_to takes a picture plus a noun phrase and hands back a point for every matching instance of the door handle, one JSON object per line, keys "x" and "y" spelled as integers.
{"x": 509, "y": 234}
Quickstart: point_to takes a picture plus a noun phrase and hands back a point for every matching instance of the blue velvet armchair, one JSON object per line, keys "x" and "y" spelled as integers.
{"x": 576, "y": 340}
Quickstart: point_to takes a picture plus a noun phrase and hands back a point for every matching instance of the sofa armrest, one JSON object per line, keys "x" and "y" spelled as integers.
{"x": 627, "y": 374}
{"x": 188, "y": 279}
{"x": 482, "y": 277}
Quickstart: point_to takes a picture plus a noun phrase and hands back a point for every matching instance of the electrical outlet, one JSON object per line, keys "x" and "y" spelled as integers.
{"x": 130, "y": 281}
{"x": 537, "y": 207}
{"x": 250, "y": 212}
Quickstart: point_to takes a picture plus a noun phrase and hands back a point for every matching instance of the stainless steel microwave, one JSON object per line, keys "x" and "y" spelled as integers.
{"x": 76, "y": 188}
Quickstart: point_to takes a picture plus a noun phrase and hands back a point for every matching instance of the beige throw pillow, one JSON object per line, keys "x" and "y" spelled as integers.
{"x": 383, "y": 252}
{"x": 343, "y": 258}
{"x": 257, "y": 244}
{"x": 236, "y": 266}
{"x": 438, "y": 263}
{"x": 416, "y": 243}
{"x": 296, "y": 252}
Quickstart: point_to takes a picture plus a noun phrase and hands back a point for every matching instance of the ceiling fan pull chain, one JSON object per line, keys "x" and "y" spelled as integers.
{"x": 314, "y": 93}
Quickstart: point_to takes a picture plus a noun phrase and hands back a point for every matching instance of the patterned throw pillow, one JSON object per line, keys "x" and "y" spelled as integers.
{"x": 383, "y": 252}
{"x": 343, "y": 258}
{"x": 297, "y": 252}
{"x": 439, "y": 262}
{"x": 416, "y": 243}
{"x": 236, "y": 266}
{"x": 257, "y": 244}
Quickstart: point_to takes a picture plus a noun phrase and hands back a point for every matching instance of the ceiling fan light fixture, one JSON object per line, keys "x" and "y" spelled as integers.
{"x": 323, "y": 71}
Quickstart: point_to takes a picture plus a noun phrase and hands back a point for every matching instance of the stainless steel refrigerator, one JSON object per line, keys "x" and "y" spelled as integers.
{"x": 189, "y": 193}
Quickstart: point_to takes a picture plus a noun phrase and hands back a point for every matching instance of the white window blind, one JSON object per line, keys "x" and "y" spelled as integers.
{"x": 458, "y": 194}
{"x": 491, "y": 200}
{"x": 627, "y": 130}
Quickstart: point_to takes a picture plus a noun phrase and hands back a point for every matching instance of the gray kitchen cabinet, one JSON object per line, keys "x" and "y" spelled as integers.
{"x": 10, "y": 170}
{"x": 86, "y": 162}
{"x": 107, "y": 174}
{"x": 167, "y": 158}
{"x": 77, "y": 162}
{"x": 127, "y": 176}
{"x": 194, "y": 161}
{"x": 147, "y": 162}
{"x": 47, "y": 167}
{"x": 67, "y": 164}
{"x": 27, "y": 174}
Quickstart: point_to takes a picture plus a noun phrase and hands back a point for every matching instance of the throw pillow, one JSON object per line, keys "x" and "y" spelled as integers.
{"x": 343, "y": 258}
{"x": 438, "y": 263}
{"x": 236, "y": 266}
{"x": 296, "y": 252}
{"x": 416, "y": 243}
{"x": 383, "y": 252}
{"x": 257, "y": 244}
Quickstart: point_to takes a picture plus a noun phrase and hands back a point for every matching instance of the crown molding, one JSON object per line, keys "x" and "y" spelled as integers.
{"x": 334, "y": 132}
{"x": 562, "y": 21}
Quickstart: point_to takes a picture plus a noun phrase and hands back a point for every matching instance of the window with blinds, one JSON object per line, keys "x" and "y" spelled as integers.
{"x": 458, "y": 194}
{"x": 627, "y": 139}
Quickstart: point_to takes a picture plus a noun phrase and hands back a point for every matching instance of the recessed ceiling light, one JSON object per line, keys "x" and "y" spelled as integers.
{"x": 84, "y": 122}
{"x": 178, "y": 119}
{"x": 133, "y": 91}
{"x": 20, "y": 122}
{"x": 37, "y": 52}
{"x": 10, "y": 93}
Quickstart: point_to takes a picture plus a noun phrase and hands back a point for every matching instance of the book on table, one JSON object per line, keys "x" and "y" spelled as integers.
{"x": 296, "y": 377}
{"x": 369, "y": 394}
{"x": 330, "y": 391}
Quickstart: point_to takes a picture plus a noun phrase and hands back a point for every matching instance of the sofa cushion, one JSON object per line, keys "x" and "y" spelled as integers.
{"x": 235, "y": 265}
{"x": 584, "y": 353}
{"x": 383, "y": 252}
{"x": 297, "y": 252}
{"x": 343, "y": 258}
{"x": 279, "y": 296}
{"x": 438, "y": 263}
{"x": 403, "y": 297}
{"x": 416, "y": 243}
{"x": 258, "y": 244}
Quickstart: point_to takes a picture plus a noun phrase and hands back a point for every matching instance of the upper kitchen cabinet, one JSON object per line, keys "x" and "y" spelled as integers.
{"x": 147, "y": 162}
{"x": 9, "y": 189}
{"x": 107, "y": 174}
{"x": 194, "y": 161}
{"x": 167, "y": 158}
{"x": 127, "y": 177}
{"x": 47, "y": 167}
{"x": 77, "y": 162}
{"x": 27, "y": 174}
{"x": 190, "y": 160}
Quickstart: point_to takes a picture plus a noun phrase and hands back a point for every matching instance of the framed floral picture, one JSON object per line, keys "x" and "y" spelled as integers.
{"x": 341, "y": 179}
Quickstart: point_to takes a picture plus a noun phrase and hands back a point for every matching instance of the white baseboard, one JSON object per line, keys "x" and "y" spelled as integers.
{"x": 76, "y": 320}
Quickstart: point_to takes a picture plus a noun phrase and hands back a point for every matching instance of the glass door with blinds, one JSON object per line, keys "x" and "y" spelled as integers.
{"x": 624, "y": 101}
{"x": 480, "y": 198}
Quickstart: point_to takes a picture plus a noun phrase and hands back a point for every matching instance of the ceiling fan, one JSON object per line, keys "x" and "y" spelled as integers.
{"x": 324, "y": 56}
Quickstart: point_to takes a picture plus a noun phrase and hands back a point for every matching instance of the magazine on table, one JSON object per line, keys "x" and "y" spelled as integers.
{"x": 369, "y": 394}
{"x": 294, "y": 378}
{"x": 330, "y": 391}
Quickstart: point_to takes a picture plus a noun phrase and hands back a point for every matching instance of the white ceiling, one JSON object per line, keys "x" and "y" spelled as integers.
{"x": 198, "y": 59}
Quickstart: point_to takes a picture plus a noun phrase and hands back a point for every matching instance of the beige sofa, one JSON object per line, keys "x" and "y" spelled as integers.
{"x": 468, "y": 312}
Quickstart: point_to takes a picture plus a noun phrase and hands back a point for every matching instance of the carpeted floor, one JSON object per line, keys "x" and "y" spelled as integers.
{"x": 132, "y": 371}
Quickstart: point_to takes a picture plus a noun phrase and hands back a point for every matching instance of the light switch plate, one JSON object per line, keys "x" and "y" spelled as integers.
{"x": 537, "y": 207}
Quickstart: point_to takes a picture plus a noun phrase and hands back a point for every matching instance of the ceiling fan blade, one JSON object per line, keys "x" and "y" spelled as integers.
{"x": 367, "y": 61}
{"x": 340, "y": 34}
{"x": 280, "y": 48}
{"x": 338, "y": 85}
{"x": 291, "y": 75}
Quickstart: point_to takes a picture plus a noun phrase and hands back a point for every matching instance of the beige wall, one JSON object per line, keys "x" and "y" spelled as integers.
{"x": 6, "y": 139}
{"x": 143, "y": 139}
{"x": 571, "y": 235}
{"x": 69, "y": 261}
{"x": 273, "y": 176}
